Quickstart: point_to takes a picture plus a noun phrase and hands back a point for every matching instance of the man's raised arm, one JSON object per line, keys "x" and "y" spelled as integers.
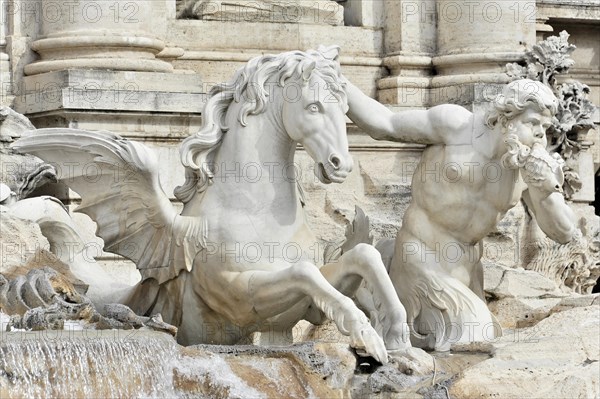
{"x": 553, "y": 215}
{"x": 443, "y": 124}
{"x": 543, "y": 175}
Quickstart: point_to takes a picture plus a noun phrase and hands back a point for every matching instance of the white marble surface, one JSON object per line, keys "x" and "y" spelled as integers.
{"x": 456, "y": 201}
{"x": 256, "y": 120}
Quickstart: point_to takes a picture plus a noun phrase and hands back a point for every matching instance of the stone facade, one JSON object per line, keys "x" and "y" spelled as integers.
{"x": 143, "y": 71}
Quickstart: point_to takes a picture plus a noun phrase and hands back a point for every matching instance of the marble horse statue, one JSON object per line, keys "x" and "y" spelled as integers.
{"x": 238, "y": 258}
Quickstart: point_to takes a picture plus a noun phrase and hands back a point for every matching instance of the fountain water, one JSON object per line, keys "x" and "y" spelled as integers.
{"x": 84, "y": 364}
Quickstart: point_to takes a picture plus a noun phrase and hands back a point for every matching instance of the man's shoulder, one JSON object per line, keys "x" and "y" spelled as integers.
{"x": 453, "y": 121}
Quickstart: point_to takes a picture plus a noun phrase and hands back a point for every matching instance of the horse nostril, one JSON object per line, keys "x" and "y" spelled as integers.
{"x": 335, "y": 162}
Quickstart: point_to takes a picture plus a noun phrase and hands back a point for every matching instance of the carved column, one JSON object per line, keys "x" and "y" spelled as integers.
{"x": 103, "y": 56}
{"x": 475, "y": 40}
{"x": 114, "y": 35}
{"x": 97, "y": 68}
{"x": 367, "y": 13}
{"x": 5, "y": 80}
{"x": 409, "y": 44}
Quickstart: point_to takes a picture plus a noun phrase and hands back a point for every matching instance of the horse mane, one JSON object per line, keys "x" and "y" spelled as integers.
{"x": 248, "y": 87}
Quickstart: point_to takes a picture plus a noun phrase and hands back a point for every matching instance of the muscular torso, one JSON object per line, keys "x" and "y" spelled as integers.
{"x": 463, "y": 193}
{"x": 459, "y": 195}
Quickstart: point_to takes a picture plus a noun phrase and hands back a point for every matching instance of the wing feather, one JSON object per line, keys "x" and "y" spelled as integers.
{"x": 118, "y": 181}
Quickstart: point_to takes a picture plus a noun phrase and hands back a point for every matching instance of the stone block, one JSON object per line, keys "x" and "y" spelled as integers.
{"x": 219, "y": 54}
{"x": 520, "y": 283}
{"x": 557, "y": 358}
{"x": 310, "y": 370}
{"x": 522, "y": 312}
{"x": 93, "y": 90}
{"x": 317, "y": 12}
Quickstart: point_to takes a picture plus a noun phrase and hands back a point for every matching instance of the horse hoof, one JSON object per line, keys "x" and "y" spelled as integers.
{"x": 368, "y": 342}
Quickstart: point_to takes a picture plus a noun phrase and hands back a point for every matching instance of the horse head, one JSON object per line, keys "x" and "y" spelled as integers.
{"x": 302, "y": 92}
{"x": 313, "y": 114}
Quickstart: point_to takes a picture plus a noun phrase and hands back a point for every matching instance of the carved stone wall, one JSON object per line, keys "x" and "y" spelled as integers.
{"x": 135, "y": 68}
{"x": 409, "y": 54}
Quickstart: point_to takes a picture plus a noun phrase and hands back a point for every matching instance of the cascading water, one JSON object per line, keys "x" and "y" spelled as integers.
{"x": 86, "y": 364}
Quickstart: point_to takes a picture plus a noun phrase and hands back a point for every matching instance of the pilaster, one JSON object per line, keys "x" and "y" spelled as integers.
{"x": 5, "y": 79}
{"x": 475, "y": 41}
{"x": 409, "y": 44}
{"x": 122, "y": 35}
{"x": 366, "y": 13}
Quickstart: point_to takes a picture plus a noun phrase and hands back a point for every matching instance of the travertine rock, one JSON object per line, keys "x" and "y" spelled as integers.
{"x": 522, "y": 312}
{"x": 22, "y": 173}
{"x": 557, "y": 358}
{"x": 308, "y": 370}
{"x": 301, "y": 371}
{"x": 577, "y": 301}
{"x": 323, "y": 370}
{"x": 502, "y": 282}
{"x": 21, "y": 240}
{"x": 385, "y": 381}
{"x": 43, "y": 299}
{"x": 23, "y": 247}
{"x": 518, "y": 242}
{"x": 574, "y": 266}
{"x": 13, "y": 124}
{"x": 519, "y": 298}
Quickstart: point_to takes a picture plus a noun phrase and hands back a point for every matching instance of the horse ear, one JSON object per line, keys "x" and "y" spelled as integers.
{"x": 307, "y": 70}
{"x": 329, "y": 52}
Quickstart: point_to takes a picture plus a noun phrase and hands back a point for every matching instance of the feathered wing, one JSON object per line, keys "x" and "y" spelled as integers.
{"x": 119, "y": 185}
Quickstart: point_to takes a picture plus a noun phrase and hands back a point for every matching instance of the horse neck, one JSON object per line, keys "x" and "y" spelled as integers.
{"x": 256, "y": 160}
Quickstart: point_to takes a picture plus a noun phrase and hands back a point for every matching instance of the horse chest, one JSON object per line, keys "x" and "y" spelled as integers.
{"x": 263, "y": 229}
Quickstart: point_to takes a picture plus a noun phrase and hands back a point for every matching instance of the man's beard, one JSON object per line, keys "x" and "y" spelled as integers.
{"x": 517, "y": 152}
{"x": 537, "y": 166}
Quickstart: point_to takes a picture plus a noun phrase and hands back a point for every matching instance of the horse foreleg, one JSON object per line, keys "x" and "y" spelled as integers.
{"x": 273, "y": 293}
{"x": 363, "y": 262}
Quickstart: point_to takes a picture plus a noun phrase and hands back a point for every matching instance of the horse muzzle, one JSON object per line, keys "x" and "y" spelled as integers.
{"x": 335, "y": 170}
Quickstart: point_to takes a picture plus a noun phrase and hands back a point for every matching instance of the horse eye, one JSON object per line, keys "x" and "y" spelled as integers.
{"x": 313, "y": 108}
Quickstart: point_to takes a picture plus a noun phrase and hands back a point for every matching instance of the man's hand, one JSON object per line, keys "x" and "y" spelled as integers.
{"x": 544, "y": 178}
{"x": 542, "y": 172}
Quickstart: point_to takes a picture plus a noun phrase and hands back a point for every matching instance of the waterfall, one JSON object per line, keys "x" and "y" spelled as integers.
{"x": 85, "y": 364}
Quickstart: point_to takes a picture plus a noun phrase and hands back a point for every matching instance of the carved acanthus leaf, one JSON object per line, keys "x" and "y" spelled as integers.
{"x": 544, "y": 62}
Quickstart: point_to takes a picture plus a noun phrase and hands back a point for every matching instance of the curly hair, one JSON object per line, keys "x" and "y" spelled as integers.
{"x": 516, "y": 97}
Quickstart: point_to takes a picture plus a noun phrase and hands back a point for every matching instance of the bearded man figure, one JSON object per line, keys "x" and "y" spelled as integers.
{"x": 476, "y": 167}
